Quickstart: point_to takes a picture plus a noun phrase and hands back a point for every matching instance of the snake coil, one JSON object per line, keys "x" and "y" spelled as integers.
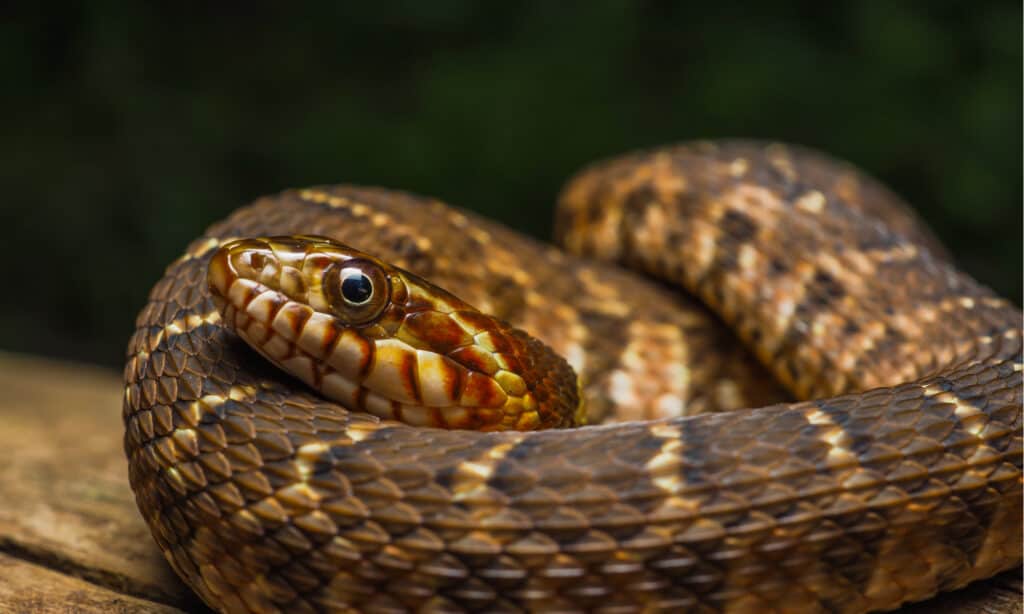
{"x": 901, "y": 479}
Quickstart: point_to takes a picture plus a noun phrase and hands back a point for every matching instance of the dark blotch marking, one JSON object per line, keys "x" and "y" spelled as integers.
{"x": 408, "y": 255}
{"x": 856, "y": 566}
{"x": 738, "y": 225}
{"x": 508, "y": 296}
{"x": 445, "y": 477}
{"x": 638, "y": 200}
{"x": 826, "y": 289}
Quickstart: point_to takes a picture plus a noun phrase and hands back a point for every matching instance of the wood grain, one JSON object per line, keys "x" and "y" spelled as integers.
{"x": 64, "y": 499}
{"x": 71, "y": 539}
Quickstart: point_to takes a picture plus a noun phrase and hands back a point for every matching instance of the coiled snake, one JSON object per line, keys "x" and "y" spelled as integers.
{"x": 902, "y": 480}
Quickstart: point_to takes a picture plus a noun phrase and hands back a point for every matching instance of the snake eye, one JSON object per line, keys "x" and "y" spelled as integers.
{"x": 357, "y": 290}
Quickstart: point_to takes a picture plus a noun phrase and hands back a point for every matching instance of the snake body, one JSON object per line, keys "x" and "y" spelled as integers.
{"x": 902, "y": 478}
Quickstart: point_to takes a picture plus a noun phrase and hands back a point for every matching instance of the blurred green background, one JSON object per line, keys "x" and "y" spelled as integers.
{"x": 128, "y": 128}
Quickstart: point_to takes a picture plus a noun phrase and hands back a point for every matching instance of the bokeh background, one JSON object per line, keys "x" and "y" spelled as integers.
{"x": 128, "y": 127}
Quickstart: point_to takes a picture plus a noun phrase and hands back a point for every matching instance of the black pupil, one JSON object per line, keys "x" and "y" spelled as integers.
{"x": 357, "y": 288}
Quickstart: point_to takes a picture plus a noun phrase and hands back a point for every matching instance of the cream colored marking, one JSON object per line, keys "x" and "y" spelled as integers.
{"x": 739, "y": 167}
{"x": 434, "y": 373}
{"x": 194, "y": 321}
{"x": 664, "y": 466}
{"x": 964, "y": 411}
{"x": 471, "y": 475}
{"x": 818, "y": 417}
{"x": 314, "y": 195}
{"x": 209, "y": 404}
{"x": 652, "y": 381}
{"x": 704, "y": 254}
{"x": 575, "y": 355}
{"x": 727, "y": 394}
{"x": 836, "y": 437}
{"x": 458, "y": 220}
{"x": 386, "y": 377}
{"x": 240, "y": 290}
{"x": 811, "y": 202}
{"x": 967, "y": 302}
{"x": 485, "y": 340}
{"x": 480, "y": 235}
{"x": 778, "y": 156}
{"x": 360, "y": 431}
{"x": 747, "y": 260}
{"x": 521, "y": 277}
{"x": 288, "y": 312}
{"x": 995, "y": 302}
{"x": 336, "y": 202}
{"x": 620, "y": 388}
{"x": 669, "y": 405}
{"x": 651, "y": 232}
{"x": 260, "y": 307}
{"x": 292, "y": 283}
{"x": 467, "y": 327}
{"x": 180, "y": 327}
{"x": 317, "y": 328}
{"x": 350, "y": 354}
{"x": 307, "y": 456}
{"x": 454, "y": 415}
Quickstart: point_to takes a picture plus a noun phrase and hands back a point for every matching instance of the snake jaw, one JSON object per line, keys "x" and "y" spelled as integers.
{"x": 388, "y": 343}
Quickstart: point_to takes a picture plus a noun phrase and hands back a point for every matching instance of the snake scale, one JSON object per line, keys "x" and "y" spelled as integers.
{"x": 899, "y": 478}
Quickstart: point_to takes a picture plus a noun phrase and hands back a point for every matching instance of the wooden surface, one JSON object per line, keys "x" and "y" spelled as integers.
{"x": 71, "y": 539}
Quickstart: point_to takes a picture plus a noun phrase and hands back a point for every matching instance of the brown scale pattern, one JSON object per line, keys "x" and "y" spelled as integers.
{"x": 266, "y": 498}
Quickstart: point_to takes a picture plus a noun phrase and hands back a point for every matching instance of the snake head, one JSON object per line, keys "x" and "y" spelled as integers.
{"x": 377, "y": 338}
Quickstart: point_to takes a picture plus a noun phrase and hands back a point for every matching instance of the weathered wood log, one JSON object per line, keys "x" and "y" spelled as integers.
{"x": 71, "y": 539}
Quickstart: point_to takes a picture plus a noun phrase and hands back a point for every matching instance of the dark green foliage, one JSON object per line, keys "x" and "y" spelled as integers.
{"x": 127, "y": 129}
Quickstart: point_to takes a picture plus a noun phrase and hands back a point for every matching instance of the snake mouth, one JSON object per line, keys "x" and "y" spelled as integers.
{"x": 377, "y": 339}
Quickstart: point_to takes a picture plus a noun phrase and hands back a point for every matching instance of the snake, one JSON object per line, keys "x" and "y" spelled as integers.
{"x": 749, "y": 380}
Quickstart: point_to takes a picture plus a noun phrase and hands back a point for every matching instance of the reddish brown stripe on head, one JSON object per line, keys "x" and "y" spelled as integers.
{"x": 438, "y": 329}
